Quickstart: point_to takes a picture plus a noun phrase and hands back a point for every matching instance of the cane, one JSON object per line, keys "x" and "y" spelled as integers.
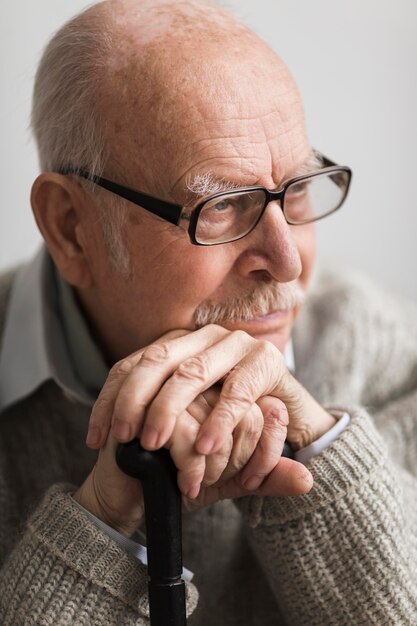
{"x": 158, "y": 476}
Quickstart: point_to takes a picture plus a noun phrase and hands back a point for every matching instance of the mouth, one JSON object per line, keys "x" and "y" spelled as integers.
{"x": 272, "y": 322}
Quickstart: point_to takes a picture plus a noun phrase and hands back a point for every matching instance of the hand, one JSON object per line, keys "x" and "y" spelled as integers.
{"x": 117, "y": 499}
{"x": 169, "y": 375}
{"x": 160, "y": 381}
{"x": 150, "y": 389}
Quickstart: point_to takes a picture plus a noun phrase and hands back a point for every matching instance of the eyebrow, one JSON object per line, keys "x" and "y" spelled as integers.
{"x": 204, "y": 184}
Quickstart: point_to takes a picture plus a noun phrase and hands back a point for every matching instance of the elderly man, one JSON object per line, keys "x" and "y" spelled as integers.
{"x": 177, "y": 201}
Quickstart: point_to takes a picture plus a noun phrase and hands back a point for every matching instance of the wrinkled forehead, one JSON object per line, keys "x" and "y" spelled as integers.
{"x": 182, "y": 101}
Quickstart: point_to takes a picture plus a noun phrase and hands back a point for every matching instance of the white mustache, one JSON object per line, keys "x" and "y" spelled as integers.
{"x": 262, "y": 300}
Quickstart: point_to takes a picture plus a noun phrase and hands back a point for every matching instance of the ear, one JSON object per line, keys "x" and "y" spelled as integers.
{"x": 59, "y": 206}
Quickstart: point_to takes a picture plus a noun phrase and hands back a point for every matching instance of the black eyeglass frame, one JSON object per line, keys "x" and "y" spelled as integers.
{"x": 176, "y": 213}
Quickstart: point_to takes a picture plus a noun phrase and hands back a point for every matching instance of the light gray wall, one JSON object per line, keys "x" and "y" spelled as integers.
{"x": 355, "y": 63}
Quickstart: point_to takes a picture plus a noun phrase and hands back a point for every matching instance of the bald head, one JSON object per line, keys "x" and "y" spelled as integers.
{"x": 169, "y": 89}
{"x": 182, "y": 72}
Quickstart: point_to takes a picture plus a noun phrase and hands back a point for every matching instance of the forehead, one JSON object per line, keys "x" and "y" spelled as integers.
{"x": 232, "y": 110}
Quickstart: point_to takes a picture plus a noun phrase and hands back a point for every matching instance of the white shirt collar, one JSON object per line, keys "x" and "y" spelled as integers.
{"x": 289, "y": 356}
{"x": 33, "y": 348}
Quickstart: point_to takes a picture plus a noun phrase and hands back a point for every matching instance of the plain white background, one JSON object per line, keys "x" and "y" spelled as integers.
{"x": 355, "y": 63}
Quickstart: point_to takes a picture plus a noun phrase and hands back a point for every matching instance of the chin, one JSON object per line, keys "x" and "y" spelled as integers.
{"x": 277, "y": 339}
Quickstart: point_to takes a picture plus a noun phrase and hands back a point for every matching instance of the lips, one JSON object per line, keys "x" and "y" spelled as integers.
{"x": 263, "y": 324}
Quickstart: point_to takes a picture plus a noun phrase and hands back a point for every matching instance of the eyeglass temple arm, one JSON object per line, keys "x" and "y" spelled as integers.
{"x": 166, "y": 210}
{"x": 326, "y": 162}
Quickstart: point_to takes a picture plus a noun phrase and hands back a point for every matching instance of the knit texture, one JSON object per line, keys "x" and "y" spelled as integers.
{"x": 344, "y": 554}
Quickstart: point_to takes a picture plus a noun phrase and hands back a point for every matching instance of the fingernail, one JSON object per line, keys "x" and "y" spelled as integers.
{"x": 149, "y": 437}
{"x": 205, "y": 445}
{"x": 253, "y": 482}
{"x": 122, "y": 430}
{"x": 93, "y": 436}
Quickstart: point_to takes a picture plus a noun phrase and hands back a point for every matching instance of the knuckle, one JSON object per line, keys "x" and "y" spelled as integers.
{"x": 278, "y": 417}
{"x": 215, "y": 328}
{"x": 186, "y": 428}
{"x": 242, "y": 336}
{"x": 269, "y": 358}
{"x": 268, "y": 349}
{"x": 122, "y": 367}
{"x": 227, "y": 417}
{"x": 237, "y": 389}
{"x": 195, "y": 369}
{"x": 156, "y": 354}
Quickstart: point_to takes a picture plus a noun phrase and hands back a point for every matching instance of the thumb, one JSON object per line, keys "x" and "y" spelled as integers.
{"x": 308, "y": 420}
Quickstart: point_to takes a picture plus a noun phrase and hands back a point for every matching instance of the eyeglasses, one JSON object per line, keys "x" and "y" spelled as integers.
{"x": 227, "y": 216}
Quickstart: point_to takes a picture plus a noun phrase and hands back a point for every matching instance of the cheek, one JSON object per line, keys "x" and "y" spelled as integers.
{"x": 174, "y": 277}
{"x": 305, "y": 237}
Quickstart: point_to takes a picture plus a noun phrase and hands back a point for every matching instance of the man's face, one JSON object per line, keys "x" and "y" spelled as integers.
{"x": 249, "y": 130}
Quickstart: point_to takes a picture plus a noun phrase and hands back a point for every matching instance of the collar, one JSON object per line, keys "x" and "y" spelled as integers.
{"x": 34, "y": 347}
{"x": 289, "y": 356}
{"x": 87, "y": 360}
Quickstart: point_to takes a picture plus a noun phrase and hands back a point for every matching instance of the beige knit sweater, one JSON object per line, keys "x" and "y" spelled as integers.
{"x": 345, "y": 554}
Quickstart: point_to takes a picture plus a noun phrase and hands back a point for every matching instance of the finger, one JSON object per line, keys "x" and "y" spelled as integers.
{"x": 103, "y": 409}
{"x": 255, "y": 376}
{"x": 288, "y": 478}
{"x": 158, "y": 361}
{"x": 200, "y": 408}
{"x": 190, "y": 464}
{"x": 101, "y": 415}
{"x": 308, "y": 419}
{"x": 214, "y": 465}
{"x": 270, "y": 445}
{"x": 246, "y": 438}
{"x": 217, "y": 464}
{"x": 196, "y": 469}
{"x": 193, "y": 376}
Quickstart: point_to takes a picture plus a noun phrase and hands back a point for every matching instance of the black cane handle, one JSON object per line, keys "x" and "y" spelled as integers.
{"x": 158, "y": 476}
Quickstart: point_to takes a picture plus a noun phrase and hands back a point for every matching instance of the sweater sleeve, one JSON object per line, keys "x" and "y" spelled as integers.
{"x": 66, "y": 571}
{"x": 345, "y": 553}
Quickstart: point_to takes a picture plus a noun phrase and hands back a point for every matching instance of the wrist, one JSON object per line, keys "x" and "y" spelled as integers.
{"x": 88, "y": 498}
{"x": 317, "y": 422}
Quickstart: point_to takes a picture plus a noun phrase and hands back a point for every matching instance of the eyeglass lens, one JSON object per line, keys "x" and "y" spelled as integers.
{"x": 232, "y": 216}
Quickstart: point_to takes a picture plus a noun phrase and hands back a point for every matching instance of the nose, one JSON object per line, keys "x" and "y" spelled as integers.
{"x": 271, "y": 248}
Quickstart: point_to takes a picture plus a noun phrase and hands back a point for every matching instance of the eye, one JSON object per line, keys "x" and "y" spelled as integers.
{"x": 222, "y": 205}
{"x": 298, "y": 189}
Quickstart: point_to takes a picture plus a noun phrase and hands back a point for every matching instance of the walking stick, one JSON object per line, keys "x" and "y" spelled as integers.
{"x": 158, "y": 476}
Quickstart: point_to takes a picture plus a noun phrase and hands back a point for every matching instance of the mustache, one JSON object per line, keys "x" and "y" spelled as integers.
{"x": 262, "y": 300}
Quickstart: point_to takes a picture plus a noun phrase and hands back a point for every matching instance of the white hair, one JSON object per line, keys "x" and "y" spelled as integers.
{"x": 67, "y": 121}
{"x": 264, "y": 299}
{"x": 204, "y": 184}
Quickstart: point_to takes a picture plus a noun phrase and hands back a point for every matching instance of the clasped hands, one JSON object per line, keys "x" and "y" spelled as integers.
{"x": 222, "y": 402}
